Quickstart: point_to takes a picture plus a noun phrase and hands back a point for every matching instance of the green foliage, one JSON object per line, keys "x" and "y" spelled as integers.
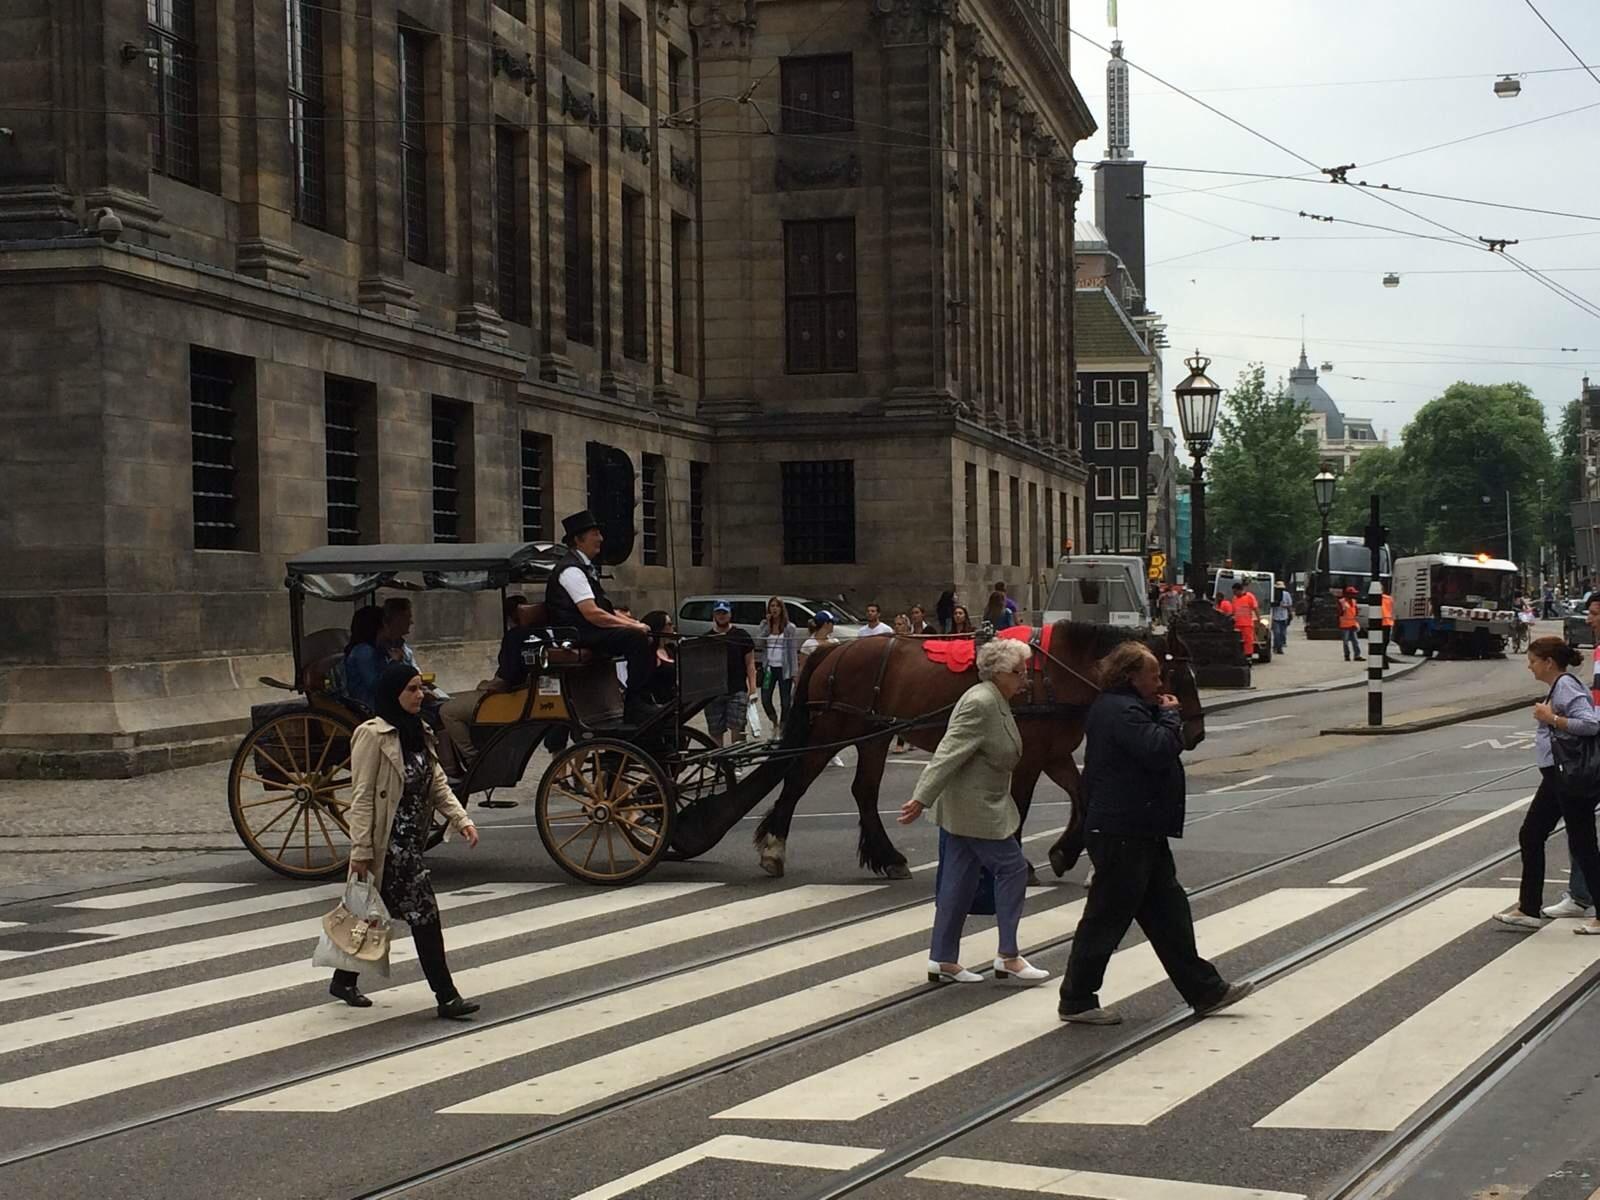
{"x": 1259, "y": 503}
{"x": 1381, "y": 470}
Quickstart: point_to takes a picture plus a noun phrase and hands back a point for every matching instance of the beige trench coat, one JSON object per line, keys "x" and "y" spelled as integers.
{"x": 378, "y": 777}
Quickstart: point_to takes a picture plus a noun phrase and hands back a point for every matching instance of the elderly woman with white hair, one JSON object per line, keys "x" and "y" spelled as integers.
{"x": 968, "y": 787}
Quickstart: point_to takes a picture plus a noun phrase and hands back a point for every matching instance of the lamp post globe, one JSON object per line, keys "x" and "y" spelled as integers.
{"x": 1198, "y": 400}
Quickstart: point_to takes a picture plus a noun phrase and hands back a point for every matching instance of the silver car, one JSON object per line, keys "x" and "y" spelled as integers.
{"x": 694, "y": 614}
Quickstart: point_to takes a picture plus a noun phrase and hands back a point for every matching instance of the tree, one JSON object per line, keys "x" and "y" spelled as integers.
{"x": 1381, "y": 471}
{"x": 1259, "y": 502}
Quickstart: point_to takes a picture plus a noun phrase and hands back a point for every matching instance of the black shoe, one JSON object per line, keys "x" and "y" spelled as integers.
{"x": 455, "y": 1010}
{"x": 1234, "y": 993}
{"x": 350, "y": 994}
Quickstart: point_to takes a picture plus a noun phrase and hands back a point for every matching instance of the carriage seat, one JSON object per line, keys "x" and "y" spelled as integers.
{"x": 321, "y": 656}
{"x": 536, "y": 618}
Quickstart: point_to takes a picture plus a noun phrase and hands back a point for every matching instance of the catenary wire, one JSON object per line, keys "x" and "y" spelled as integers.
{"x": 1576, "y": 57}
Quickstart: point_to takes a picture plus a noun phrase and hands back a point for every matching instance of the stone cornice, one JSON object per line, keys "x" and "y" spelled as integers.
{"x": 1021, "y": 21}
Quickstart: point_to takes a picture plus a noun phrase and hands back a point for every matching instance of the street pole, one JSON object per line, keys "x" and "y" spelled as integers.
{"x": 1197, "y": 528}
{"x": 1509, "y": 556}
{"x": 1377, "y": 535}
{"x": 1320, "y": 584}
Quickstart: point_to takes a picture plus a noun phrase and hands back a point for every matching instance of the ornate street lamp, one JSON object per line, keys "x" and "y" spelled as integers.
{"x": 1322, "y": 486}
{"x": 1198, "y": 400}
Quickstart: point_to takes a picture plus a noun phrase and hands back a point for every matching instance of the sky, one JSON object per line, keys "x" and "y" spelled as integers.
{"x": 1301, "y": 73}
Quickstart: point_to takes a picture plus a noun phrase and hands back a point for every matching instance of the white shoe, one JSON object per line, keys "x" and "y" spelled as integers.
{"x": 1518, "y": 919}
{"x": 1029, "y": 976}
{"x": 937, "y": 974}
{"x": 1567, "y": 907}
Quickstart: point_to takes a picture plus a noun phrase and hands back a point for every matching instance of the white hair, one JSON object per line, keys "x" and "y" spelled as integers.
{"x": 1001, "y": 655}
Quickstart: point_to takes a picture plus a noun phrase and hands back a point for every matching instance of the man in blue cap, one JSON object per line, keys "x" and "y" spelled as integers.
{"x": 577, "y": 598}
{"x": 729, "y": 712}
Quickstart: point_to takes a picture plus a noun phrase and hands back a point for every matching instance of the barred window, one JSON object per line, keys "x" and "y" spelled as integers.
{"x": 682, "y": 264}
{"x": 652, "y": 503}
{"x": 575, "y": 28}
{"x": 971, "y": 496}
{"x": 175, "y": 89}
{"x": 414, "y": 180}
{"x": 340, "y": 419}
{"x": 222, "y": 449}
{"x": 1015, "y": 496}
{"x": 635, "y": 342}
{"x": 697, "y": 513}
{"x": 817, "y": 94}
{"x": 579, "y": 247}
{"x": 820, "y": 296}
{"x": 994, "y": 517}
{"x": 452, "y": 471}
{"x": 307, "y": 112}
{"x": 511, "y": 223}
{"x": 819, "y": 511}
{"x": 630, "y": 41}
{"x": 535, "y": 512}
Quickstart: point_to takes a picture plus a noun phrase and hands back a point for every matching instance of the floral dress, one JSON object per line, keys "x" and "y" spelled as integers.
{"x": 406, "y": 889}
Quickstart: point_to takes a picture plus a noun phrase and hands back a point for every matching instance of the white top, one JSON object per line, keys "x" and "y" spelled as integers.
{"x": 775, "y": 649}
{"x": 811, "y": 644}
{"x": 575, "y": 583}
{"x": 878, "y": 630}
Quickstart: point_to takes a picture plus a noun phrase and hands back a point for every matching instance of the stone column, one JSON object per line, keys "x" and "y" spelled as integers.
{"x": 266, "y": 164}
{"x": 986, "y": 214}
{"x": 964, "y": 187}
{"x": 1008, "y": 229}
{"x": 376, "y": 98}
{"x": 471, "y": 104}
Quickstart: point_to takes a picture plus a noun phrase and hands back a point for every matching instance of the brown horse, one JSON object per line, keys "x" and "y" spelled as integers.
{"x": 856, "y": 692}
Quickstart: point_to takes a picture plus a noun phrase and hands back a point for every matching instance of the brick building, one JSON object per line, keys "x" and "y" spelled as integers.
{"x": 784, "y": 285}
{"x": 1115, "y": 368}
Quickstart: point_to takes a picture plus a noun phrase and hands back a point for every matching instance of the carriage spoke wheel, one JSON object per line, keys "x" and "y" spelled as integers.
{"x": 289, "y": 793}
{"x": 696, "y": 781}
{"x": 604, "y": 811}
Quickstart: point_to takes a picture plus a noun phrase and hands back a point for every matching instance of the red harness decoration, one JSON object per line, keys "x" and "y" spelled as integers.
{"x": 959, "y": 654}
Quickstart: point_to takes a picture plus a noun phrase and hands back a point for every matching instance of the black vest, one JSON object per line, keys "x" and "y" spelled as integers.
{"x": 563, "y": 612}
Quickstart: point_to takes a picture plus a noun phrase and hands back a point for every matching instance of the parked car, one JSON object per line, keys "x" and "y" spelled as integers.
{"x": 749, "y": 611}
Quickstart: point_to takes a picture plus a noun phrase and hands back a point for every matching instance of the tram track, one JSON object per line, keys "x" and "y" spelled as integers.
{"x": 607, "y": 1108}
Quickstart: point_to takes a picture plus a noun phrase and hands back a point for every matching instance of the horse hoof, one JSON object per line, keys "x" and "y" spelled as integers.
{"x": 773, "y": 867}
{"x": 897, "y": 871}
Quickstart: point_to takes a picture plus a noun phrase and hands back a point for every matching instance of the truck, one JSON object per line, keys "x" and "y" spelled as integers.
{"x": 1456, "y": 603}
{"x": 1102, "y": 589}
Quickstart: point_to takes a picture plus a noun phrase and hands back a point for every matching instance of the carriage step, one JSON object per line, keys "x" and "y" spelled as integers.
{"x": 498, "y": 803}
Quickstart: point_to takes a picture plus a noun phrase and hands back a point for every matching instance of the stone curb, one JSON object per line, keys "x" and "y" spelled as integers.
{"x": 1310, "y": 689}
{"x": 1488, "y": 710}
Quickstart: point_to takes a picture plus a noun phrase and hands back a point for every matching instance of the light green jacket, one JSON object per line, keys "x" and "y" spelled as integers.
{"x": 968, "y": 784}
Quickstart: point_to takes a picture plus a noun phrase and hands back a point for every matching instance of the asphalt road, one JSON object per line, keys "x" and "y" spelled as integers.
{"x": 714, "y": 1032}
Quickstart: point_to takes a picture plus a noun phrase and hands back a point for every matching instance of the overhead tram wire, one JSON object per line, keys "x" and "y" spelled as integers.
{"x": 1576, "y": 57}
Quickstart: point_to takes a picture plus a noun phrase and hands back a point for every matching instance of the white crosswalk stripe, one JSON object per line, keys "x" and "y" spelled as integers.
{"x": 174, "y": 891}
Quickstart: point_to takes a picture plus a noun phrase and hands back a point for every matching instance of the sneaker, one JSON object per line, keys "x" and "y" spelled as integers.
{"x": 1091, "y": 1016}
{"x": 1567, "y": 907}
{"x": 1235, "y": 993}
{"x": 1517, "y": 919}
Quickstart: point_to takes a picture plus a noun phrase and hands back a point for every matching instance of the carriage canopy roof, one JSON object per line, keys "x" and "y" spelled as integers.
{"x": 344, "y": 572}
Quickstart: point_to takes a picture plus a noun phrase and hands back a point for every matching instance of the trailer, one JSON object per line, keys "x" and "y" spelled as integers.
{"x": 1460, "y": 604}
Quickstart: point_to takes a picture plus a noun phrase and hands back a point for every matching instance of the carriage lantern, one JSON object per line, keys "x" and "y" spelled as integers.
{"x": 1198, "y": 400}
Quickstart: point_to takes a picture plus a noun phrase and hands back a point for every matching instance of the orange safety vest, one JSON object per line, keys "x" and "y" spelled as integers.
{"x": 1347, "y": 614}
{"x": 1388, "y": 611}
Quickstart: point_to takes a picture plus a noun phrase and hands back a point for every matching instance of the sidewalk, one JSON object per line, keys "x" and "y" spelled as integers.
{"x": 1306, "y": 667}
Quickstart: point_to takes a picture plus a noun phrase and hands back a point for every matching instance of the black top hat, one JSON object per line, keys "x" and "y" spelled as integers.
{"x": 578, "y": 523}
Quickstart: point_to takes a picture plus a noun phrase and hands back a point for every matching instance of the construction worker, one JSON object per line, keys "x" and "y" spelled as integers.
{"x": 1388, "y": 625}
{"x": 1245, "y": 609}
{"x": 1350, "y": 625}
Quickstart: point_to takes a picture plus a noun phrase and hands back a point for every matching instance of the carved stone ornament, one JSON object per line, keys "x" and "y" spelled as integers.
{"x": 508, "y": 64}
{"x": 1075, "y": 190}
{"x": 967, "y": 38}
{"x": 841, "y": 172}
{"x": 912, "y": 22}
{"x": 581, "y": 106}
{"x": 635, "y": 138}
{"x": 724, "y": 26}
{"x": 683, "y": 170}
{"x": 664, "y": 10}
{"x": 989, "y": 77}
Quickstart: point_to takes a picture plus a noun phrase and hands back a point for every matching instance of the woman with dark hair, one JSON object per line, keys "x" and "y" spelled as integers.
{"x": 664, "y": 683}
{"x": 944, "y": 611}
{"x": 996, "y": 613}
{"x": 363, "y": 661}
{"x": 1567, "y": 713}
{"x": 960, "y": 622}
{"x": 397, "y": 786}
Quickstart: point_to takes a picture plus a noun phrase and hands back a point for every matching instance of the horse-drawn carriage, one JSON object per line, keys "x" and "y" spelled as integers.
{"x": 605, "y": 804}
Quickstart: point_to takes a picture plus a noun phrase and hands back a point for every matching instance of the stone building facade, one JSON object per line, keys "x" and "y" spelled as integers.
{"x": 275, "y": 273}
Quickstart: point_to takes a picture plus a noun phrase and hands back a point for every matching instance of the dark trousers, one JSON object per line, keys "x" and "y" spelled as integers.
{"x": 775, "y": 680}
{"x": 429, "y": 941}
{"x": 630, "y": 644}
{"x": 1551, "y": 803}
{"x": 1135, "y": 879}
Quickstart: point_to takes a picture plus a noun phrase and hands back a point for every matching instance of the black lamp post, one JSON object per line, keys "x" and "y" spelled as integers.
{"x": 1198, "y": 401}
{"x": 1322, "y": 486}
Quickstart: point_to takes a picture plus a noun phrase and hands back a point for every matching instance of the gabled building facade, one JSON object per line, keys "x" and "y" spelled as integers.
{"x": 1115, "y": 369}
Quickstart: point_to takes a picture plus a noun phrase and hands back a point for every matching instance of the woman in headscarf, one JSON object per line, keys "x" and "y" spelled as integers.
{"x": 398, "y": 786}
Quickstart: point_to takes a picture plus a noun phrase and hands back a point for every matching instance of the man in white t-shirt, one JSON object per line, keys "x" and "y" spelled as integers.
{"x": 875, "y": 626}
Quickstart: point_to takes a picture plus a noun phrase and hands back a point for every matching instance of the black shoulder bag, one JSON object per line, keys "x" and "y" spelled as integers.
{"x": 1577, "y": 757}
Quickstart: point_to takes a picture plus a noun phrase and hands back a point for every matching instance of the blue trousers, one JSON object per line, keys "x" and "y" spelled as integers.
{"x": 1352, "y": 643}
{"x": 1280, "y": 635}
{"x": 964, "y": 859}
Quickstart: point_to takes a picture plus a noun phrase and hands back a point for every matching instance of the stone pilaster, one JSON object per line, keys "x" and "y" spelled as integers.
{"x": 382, "y": 286}
{"x": 471, "y": 139}
{"x": 265, "y": 164}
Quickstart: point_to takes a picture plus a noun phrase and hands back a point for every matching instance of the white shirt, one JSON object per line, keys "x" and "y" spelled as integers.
{"x": 575, "y": 583}
{"x": 878, "y": 630}
{"x": 775, "y": 643}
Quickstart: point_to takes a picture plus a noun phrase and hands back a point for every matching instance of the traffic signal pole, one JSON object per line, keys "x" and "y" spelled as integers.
{"x": 1376, "y": 538}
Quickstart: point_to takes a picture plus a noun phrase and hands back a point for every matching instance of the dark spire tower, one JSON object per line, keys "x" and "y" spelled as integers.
{"x": 1119, "y": 181}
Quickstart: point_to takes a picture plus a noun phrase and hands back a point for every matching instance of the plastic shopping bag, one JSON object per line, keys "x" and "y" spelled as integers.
{"x": 753, "y": 720}
{"x": 355, "y": 935}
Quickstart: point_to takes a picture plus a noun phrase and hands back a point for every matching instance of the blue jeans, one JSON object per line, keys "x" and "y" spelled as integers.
{"x": 1280, "y": 634}
{"x": 1578, "y": 888}
{"x": 1352, "y": 643}
{"x": 964, "y": 860}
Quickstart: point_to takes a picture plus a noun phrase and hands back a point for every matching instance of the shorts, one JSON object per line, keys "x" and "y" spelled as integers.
{"x": 730, "y": 713}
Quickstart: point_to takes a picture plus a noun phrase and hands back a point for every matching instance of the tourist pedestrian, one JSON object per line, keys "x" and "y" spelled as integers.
{"x": 919, "y": 626}
{"x": 967, "y": 784}
{"x": 1011, "y": 605}
{"x": 1578, "y": 899}
{"x": 1567, "y": 712}
{"x": 1133, "y": 782}
{"x": 876, "y": 626}
{"x": 996, "y": 613}
{"x": 397, "y": 785}
{"x": 728, "y": 714}
{"x": 1350, "y": 625}
{"x": 1282, "y": 614}
{"x": 960, "y": 622}
{"x": 821, "y": 633}
{"x": 1549, "y": 603}
{"x": 778, "y": 648}
{"x": 363, "y": 660}
{"x": 944, "y": 611}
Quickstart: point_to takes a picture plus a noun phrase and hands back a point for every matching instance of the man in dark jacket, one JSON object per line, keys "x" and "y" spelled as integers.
{"x": 1133, "y": 782}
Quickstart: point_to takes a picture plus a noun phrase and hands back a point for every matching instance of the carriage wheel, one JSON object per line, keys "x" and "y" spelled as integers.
{"x": 289, "y": 793}
{"x": 698, "y": 780}
{"x": 604, "y": 811}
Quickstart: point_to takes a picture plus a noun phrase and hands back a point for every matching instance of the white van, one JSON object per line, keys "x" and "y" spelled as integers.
{"x": 1260, "y": 585}
{"x": 694, "y": 614}
{"x": 1102, "y": 589}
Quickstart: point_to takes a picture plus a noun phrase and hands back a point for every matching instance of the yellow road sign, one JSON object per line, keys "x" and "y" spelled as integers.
{"x": 1158, "y": 565}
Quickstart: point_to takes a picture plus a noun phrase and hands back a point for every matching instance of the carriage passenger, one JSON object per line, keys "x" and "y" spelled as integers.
{"x": 363, "y": 660}
{"x": 968, "y": 785}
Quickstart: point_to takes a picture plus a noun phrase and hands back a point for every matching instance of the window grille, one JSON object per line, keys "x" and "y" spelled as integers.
{"x": 414, "y": 143}
{"x": 697, "y": 513}
{"x": 340, "y": 420}
{"x": 819, "y": 511}
{"x": 534, "y": 527}
{"x": 213, "y": 422}
{"x": 307, "y": 111}
{"x": 175, "y": 89}
{"x": 447, "y": 479}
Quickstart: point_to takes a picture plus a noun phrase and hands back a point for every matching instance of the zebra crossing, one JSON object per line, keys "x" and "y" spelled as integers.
{"x": 174, "y": 974}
